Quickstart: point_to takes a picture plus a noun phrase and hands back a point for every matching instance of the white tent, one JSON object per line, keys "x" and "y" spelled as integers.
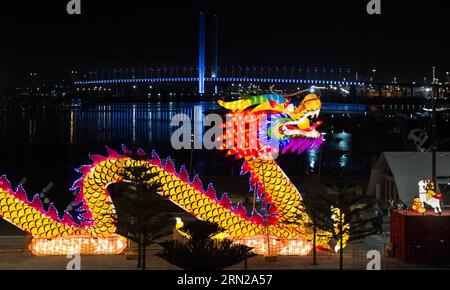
{"x": 395, "y": 175}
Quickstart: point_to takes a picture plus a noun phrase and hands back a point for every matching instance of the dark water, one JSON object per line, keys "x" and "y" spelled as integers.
{"x": 46, "y": 144}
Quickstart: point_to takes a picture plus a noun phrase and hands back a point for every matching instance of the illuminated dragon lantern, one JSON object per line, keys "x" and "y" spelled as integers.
{"x": 279, "y": 226}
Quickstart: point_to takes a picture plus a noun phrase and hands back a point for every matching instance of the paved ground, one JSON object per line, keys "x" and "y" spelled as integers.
{"x": 14, "y": 256}
{"x": 355, "y": 258}
{"x": 23, "y": 261}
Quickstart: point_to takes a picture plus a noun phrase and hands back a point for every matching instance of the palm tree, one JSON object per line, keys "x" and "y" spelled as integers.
{"x": 318, "y": 212}
{"x": 201, "y": 252}
{"x": 142, "y": 212}
{"x": 340, "y": 214}
{"x": 347, "y": 220}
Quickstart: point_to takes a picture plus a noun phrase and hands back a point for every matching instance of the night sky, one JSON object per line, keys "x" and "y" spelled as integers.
{"x": 406, "y": 40}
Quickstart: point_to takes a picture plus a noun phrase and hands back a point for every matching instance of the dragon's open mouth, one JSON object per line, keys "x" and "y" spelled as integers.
{"x": 304, "y": 127}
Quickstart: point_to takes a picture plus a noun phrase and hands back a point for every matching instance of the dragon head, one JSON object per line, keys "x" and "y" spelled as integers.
{"x": 281, "y": 125}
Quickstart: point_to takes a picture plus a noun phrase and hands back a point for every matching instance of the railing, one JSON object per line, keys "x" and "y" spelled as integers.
{"x": 223, "y": 71}
{"x": 218, "y": 80}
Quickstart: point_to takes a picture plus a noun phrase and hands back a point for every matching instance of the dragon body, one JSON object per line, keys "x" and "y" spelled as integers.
{"x": 92, "y": 229}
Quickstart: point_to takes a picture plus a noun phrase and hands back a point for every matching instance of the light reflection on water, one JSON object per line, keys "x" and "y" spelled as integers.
{"x": 142, "y": 123}
{"x": 313, "y": 158}
{"x": 338, "y": 143}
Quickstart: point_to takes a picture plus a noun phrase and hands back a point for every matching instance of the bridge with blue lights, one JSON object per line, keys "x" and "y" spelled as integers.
{"x": 216, "y": 75}
{"x": 238, "y": 77}
{"x": 220, "y": 80}
{"x": 215, "y": 79}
